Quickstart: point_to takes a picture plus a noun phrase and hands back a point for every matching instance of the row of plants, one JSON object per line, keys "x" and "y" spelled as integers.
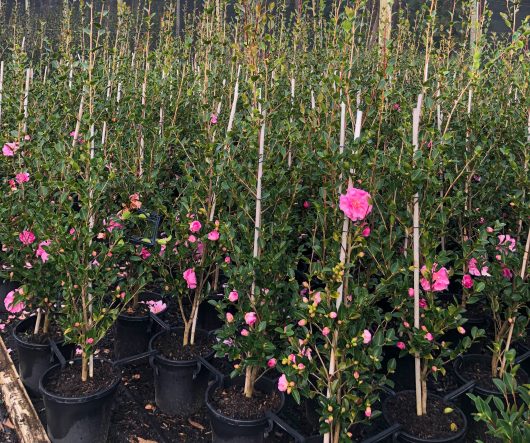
{"x": 345, "y": 207}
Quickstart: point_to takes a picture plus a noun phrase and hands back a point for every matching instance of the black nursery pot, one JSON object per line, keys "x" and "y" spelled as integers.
{"x": 230, "y": 430}
{"x": 78, "y": 419}
{"x": 402, "y": 436}
{"x": 34, "y": 359}
{"x": 208, "y": 317}
{"x": 132, "y": 333}
{"x": 179, "y": 385}
{"x": 5, "y": 288}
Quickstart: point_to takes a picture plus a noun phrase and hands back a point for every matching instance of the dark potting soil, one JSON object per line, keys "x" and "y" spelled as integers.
{"x": 54, "y": 332}
{"x": 67, "y": 382}
{"x": 480, "y": 371}
{"x": 170, "y": 345}
{"x": 231, "y": 402}
{"x": 435, "y": 424}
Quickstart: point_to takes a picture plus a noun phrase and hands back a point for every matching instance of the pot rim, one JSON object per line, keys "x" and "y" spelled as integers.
{"x": 234, "y": 421}
{"x": 161, "y": 359}
{"x": 80, "y": 399}
{"x": 456, "y": 437}
{"x": 27, "y": 344}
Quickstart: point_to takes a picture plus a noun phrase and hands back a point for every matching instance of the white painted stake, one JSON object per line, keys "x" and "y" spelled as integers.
{"x": 26, "y": 100}
{"x": 234, "y": 102}
{"x": 289, "y": 152}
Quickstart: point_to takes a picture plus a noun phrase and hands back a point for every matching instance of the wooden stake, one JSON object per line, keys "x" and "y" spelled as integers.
{"x": 1, "y": 87}
{"x": 26, "y": 100}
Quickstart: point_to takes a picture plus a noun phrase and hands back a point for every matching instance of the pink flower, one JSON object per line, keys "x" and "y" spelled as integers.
{"x": 156, "y": 307}
{"x": 355, "y": 204}
{"x": 306, "y": 204}
{"x": 233, "y": 296}
{"x": 191, "y": 278}
{"x": 366, "y": 232}
{"x": 12, "y": 185}
{"x": 135, "y": 202}
{"x": 94, "y": 263}
{"x": 506, "y": 273}
{"x": 440, "y": 279}
{"x": 411, "y": 292}
{"x": 213, "y": 118}
{"x": 302, "y": 322}
{"x": 333, "y": 314}
{"x": 429, "y": 336}
{"x": 244, "y": 333}
{"x": 145, "y": 254}
{"x": 9, "y": 149}
{"x": 89, "y": 341}
{"x": 461, "y": 330}
{"x": 473, "y": 269}
{"x": 406, "y": 324}
{"x": 78, "y": 351}
{"x": 367, "y": 336}
{"x": 22, "y": 177}
{"x": 356, "y": 375}
{"x": 396, "y": 107}
{"x": 401, "y": 345}
{"x": 317, "y": 298}
{"x": 301, "y": 366}
{"x": 26, "y": 237}
{"x": 2, "y": 327}
{"x": 228, "y": 260}
{"x": 271, "y": 363}
{"x": 506, "y": 240}
{"x": 423, "y": 303}
{"x": 192, "y": 239}
{"x": 325, "y": 331}
{"x": 27, "y": 137}
{"x": 8, "y": 303}
{"x": 162, "y": 250}
{"x": 229, "y": 317}
{"x": 283, "y": 384}
{"x": 467, "y": 281}
{"x": 112, "y": 224}
{"x": 71, "y": 231}
{"x": 213, "y": 236}
{"x": 368, "y": 411}
{"x": 489, "y": 229}
{"x": 195, "y": 226}
{"x": 250, "y": 318}
{"x": 41, "y": 253}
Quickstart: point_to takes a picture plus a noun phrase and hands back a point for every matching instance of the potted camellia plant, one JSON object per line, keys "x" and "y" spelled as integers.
{"x": 188, "y": 257}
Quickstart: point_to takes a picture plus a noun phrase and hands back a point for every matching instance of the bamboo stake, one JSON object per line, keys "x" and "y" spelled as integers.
{"x": 1, "y": 87}
{"x": 416, "y": 253}
{"x": 26, "y": 100}
{"x": 290, "y": 152}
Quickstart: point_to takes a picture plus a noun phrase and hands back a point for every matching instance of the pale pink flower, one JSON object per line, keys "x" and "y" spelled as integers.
{"x": 333, "y": 314}
{"x": 229, "y": 317}
{"x": 355, "y": 204}
{"x": 41, "y": 253}
{"x": 367, "y": 336}
{"x": 195, "y": 226}
{"x": 271, "y": 363}
{"x": 26, "y": 237}
{"x": 9, "y": 149}
{"x": 368, "y": 411}
{"x": 233, "y": 296}
{"x": 401, "y": 345}
{"x": 429, "y": 336}
{"x": 283, "y": 384}
{"x": 213, "y": 118}
{"x": 440, "y": 279}
{"x": 250, "y": 318}
{"x": 22, "y": 177}
{"x": 228, "y": 260}
{"x": 135, "y": 202}
{"x": 406, "y": 324}
{"x": 467, "y": 281}
{"x": 411, "y": 292}
{"x": 356, "y": 375}
{"x": 461, "y": 330}
{"x": 94, "y": 263}
{"x": 162, "y": 250}
{"x": 27, "y": 137}
{"x": 317, "y": 298}
{"x": 191, "y": 278}
{"x": 89, "y": 341}
{"x": 192, "y": 239}
{"x": 489, "y": 229}
{"x": 112, "y": 224}
{"x": 156, "y": 307}
{"x": 71, "y": 231}
{"x": 302, "y": 322}
{"x": 506, "y": 241}
{"x": 2, "y": 327}
{"x": 473, "y": 269}
{"x": 213, "y": 236}
{"x": 325, "y": 331}
{"x": 301, "y": 366}
{"x": 244, "y": 333}
{"x": 8, "y": 303}
{"x": 78, "y": 351}
{"x": 291, "y": 358}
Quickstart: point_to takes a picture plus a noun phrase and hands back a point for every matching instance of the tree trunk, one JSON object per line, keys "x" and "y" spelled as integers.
{"x": 250, "y": 375}
{"x": 46, "y": 326}
{"x": 186, "y": 338}
{"x": 84, "y": 367}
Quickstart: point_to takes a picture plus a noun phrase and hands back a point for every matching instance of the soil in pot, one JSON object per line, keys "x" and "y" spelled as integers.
{"x": 436, "y": 424}
{"x": 231, "y": 402}
{"x": 170, "y": 346}
{"x": 54, "y": 332}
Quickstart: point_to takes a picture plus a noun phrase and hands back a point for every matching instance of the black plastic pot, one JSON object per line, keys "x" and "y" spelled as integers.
{"x": 5, "y": 288}
{"x": 34, "y": 359}
{"x": 132, "y": 333}
{"x": 179, "y": 385}
{"x": 458, "y": 437}
{"x": 78, "y": 419}
{"x": 229, "y": 430}
{"x": 208, "y": 317}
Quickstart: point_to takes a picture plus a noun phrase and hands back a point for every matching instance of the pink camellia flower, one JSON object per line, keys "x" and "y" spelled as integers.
{"x": 429, "y": 336}
{"x": 302, "y": 322}
{"x": 156, "y": 307}
{"x": 26, "y": 237}
{"x": 94, "y": 263}
{"x": 112, "y": 224}
{"x": 368, "y": 411}
{"x": 250, "y": 318}
{"x": 22, "y": 177}
{"x": 366, "y": 232}
{"x": 89, "y": 341}
{"x": 191, "y": 278}
{"x": 213, "y": 236}
{"x": 27, "y": 137}
{"x": 192, "y": 239}
{"x": 291, "y": 358}
{"x": 317, "y": 298}
{"x": 301, "y": 366}
{"x": 434, "y": 368}
{"x": 8, "y": 303}
{"x": 233, "y": 296}
{"x": 411, "y": 292}
{"x": 162, "y": 250}
{"x": 12, "y": 185}
{"x": 213, "y": 118}
{"x": 135, "y": 202}
{"x": 325, "y": 331}
{"x": 461, "y": 330}
{"x": 355, "y": 204}
{"x": 489, "y": 229}
{"x": 41, "y": 253}
{"x": 145, "y": 254}
{"x": 229, "y": 317}
{"x": 283, "y": 384}
{"x": 467, "y": 281}
{"x": 507, "y": 273}
{"x": 333, "y": 314}
{"x": 423, "y": 303}
{"x": 271, "y": 363}
{"x": 356, "y": 375}
{"x": 244, "y": 333}
{"x": 78, "y": 351}
{"x": 195, "y": 226}
{"x": 71, "y": 231}
{"x": 228, "y": 260}
{"x": 506, "y": 241}
{"x": 9, "y": 149}
{"x": 440, "y": 279}
{"x": 2, "y": 327}
{"x": 401, "y": 345}
{"x": 306, "y": 204}
{"x": 367, "y": 336}
{"x": 406, "y": 324}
